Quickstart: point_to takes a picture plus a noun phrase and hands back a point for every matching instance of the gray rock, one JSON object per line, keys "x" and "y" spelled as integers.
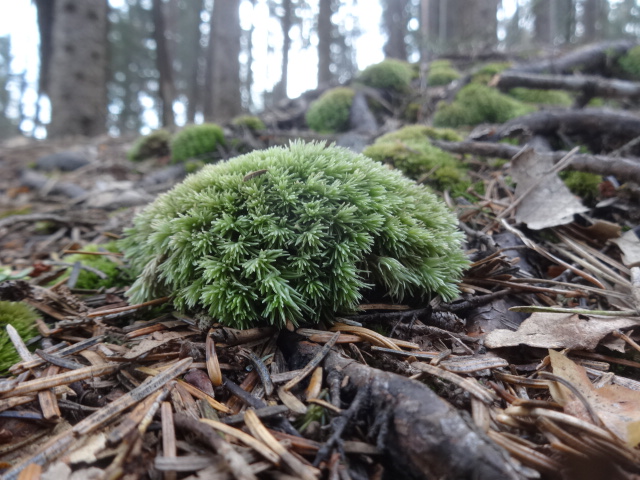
{"x": 65, "y": 161}
{"x": 361, "y": 119}
{"x": 114, "y": 199}
{"x": 173, "y": 173}
{"x": 354, "y": 141}
{"x": 37, "y": 181}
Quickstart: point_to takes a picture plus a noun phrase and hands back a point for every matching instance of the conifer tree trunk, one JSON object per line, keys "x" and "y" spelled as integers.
{"x": 225, "y": 38}
{"x": 394, "y": 19}
{"x": 324, "y": 43}
{"x": 77, "y": 74}
{"x": 163, "y": 63}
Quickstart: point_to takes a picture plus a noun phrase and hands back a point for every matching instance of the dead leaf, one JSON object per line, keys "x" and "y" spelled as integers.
{"x": 629, "y": 243}
{"x": 559, "y": 330}
{"x": 618, "y": 407}
{"x": 547, "y": 204}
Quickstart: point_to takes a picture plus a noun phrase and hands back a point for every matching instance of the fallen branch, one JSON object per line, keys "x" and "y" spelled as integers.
{"x": 421, "y": 435}
{"x": 625, "y": 169}
{"x": 590, "y": 85}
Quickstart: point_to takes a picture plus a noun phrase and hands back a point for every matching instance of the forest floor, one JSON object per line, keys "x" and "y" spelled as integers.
{"x": 533, "y": 372}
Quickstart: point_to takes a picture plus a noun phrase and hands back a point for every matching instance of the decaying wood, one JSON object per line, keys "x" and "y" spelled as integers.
{"x": 626, "y": 169}
{"x": 591, "y": 85}
{"x": 419, "y": 433}
{"x": 593, "y": 58}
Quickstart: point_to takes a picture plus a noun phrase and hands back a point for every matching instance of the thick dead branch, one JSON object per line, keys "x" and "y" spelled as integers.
{"x": 594, "y": 58}
{"x": 626, "y": 169}
{"x": 590, "y": 85}
{"x": 421, "y": 435}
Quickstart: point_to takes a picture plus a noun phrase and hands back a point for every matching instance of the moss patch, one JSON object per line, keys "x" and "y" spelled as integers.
{"x": 330, "y": 113}
{"x": 630, "y": 62}
{"x": 583, "y": 184}
{"x": 252, "y": 122}
{"x": 410, "y": 151}
{"x": 486, "y": 73}
{"x": 156, "y": 144}
{"x": 477, "y": 104}
{"x": 293, "y": 234}
{"x": 543, "y": 97}
{"x": 441, "y": 73}
{"x": 390, "y": 74}
{"x": 22, "y": 317}
{"x": 116, "y": 275}
{"x": 200, "y": 142}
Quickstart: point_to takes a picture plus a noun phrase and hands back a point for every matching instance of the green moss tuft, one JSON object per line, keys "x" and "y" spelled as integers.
{"x": 156, "y": 144}
{"x": 477, "y": 104}
{"x": 252, "y": 122}
{"x": 116, "y": 275}
{"x": 22, "y": 317}
{"x": 630, "y": 61}
{"x": 330, "y": 113}
{"x": 293, "y": 234}
{"x": 410, "y": 151}
{"x": 390, "y": 74}
{"x": 486, "y": 73}
{"x": 198, "y": 142}
{"x": 583, "y": 184}
{"x": 441, "y": 73}
{"x": 544, "y": 97}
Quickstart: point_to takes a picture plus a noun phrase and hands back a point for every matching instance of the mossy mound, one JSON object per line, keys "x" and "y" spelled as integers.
{"x": 390, "y": 74}
{"x": 410, "y": 151}
{"x": 252, "y": 122}
{"x": 330, "y": 113}
{"x": 630, "y": 62}
{"x": 116, "y": 276}
{"x": 477, "y": 104}
{"x": 293, "y": 234}
{"x": 200, "y": 142}
{"x": 156, "y": 144}
{"x": 22, "y": 317}
{"x": 583, "y": 184}
{"x": 486, "y": 73}
{"x": 441, "y": 73}
{"x": 542, "y": 97}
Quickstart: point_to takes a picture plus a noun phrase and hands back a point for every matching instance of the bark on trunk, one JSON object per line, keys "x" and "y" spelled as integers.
{"x": 78, "y": 70}
{"x": 395, "y": 19}
{"x": 324, "y": 43}
{"x": 163, "y": 63}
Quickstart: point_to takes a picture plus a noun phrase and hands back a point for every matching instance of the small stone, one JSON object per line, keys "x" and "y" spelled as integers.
{"x": 65, "y": 161}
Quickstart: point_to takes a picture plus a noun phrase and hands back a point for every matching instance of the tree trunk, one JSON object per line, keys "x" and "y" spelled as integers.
{"x": 280, "y": 90}
{"x": 542, "y": 22}
{"x": 324, "y": 43}
{"x": 394, "y": 19}
{"x": 166, "y": 88}
{"x": 225, "y": 38}
{"x": 78, "y": 70}
{"x": 591, "y": 19}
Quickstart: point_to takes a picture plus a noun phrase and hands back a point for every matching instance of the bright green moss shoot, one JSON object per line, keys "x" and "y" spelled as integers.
{"x": 630, "y": 61}
{"x": 252, "y": 122}
{"x": 486, "y": 73}
{"x": 301, "y": 241}
{"x": 22, "y": 317}
{"x": 198, "y": 142}
{"x": 390, "y": 74}
{"x": 477, "y": 104}
{"x": 156, "y": 144}
{"x": 583, "y": 184}
{"x": 330, "y": 113}
{"x": 116, "y": 276}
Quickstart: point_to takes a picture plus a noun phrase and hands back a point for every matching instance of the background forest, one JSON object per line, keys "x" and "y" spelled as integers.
{"x": 161, "y": 63}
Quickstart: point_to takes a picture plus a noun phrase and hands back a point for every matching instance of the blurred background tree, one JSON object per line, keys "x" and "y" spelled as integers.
{"x": 127, "y": 66}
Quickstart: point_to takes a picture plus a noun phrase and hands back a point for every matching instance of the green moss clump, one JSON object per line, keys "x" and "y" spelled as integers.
{"x": 293, "y": 234}
{"x": 156, "y": 144}
{"x": 583, "y": 184}
{"x": 441, "y": 73}
{"x": 486, "y": 73}
{"x": 252, "y": 122}
{"x": 330, "y": 113}
{"x": 410, "y": 151}
{"x": 22, "y": 317}
{"x": 199, "y": 142}
{"x": 390, "y": 74}
{"x": 477, "y": 104}
{"x": 116, "y": 275}
{"x": 630, "y": 61}
{"x": 544, "y": 97}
